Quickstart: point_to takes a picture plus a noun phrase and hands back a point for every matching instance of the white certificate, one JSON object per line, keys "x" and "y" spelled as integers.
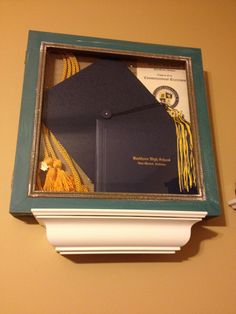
{"x": 168, "y": 85}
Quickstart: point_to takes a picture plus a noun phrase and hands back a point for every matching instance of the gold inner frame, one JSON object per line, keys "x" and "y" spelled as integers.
{"x": 142, "y": 58}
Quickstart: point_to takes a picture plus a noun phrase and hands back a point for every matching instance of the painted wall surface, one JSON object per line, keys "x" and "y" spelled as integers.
{"x": 201, "y": 278}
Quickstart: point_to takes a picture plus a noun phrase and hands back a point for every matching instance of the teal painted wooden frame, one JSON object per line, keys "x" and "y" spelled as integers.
{"x": 22, "y": 201}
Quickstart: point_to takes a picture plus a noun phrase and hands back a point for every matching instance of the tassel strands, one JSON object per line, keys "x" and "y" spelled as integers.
{"x": 79, "y": 187}
{"x": 185, "y": 156}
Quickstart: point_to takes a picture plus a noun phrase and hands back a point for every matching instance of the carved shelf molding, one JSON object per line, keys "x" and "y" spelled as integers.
{"x": 104, "y": 231}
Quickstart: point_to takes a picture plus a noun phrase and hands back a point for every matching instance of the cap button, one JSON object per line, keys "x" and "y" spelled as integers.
{"x": 106, "y": 114}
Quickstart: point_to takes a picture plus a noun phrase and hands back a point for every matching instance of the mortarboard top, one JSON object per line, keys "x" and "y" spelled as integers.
{"x": 108, "y": 89}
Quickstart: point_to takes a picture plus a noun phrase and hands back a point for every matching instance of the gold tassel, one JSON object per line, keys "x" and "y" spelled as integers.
{"x": 185, "y": 156}
{"x": 63, "y": 181}
{"x": 79, "y": 187}
{"x": 50, "y": 175}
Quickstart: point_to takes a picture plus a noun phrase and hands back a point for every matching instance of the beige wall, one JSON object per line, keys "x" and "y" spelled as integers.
{"x": 201, "y": 278}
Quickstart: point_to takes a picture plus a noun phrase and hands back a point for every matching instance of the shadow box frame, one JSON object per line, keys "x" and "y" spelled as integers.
{"x": 24, "y": 195}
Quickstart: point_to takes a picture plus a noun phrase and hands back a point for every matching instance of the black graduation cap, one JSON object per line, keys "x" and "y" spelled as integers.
{"x": 106, "y": 101}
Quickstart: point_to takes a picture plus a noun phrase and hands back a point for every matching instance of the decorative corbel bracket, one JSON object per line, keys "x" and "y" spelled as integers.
{"x": 104, "y": 231}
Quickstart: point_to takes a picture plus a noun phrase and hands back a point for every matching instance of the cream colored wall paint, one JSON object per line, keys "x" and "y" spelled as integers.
{"x": 201, "y": 278}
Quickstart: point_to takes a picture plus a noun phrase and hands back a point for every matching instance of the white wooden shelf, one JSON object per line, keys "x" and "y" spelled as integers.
{"x": 104, "y": 231}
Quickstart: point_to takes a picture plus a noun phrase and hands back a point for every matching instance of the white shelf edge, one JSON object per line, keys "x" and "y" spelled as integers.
{"x": 119, "y": 231}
